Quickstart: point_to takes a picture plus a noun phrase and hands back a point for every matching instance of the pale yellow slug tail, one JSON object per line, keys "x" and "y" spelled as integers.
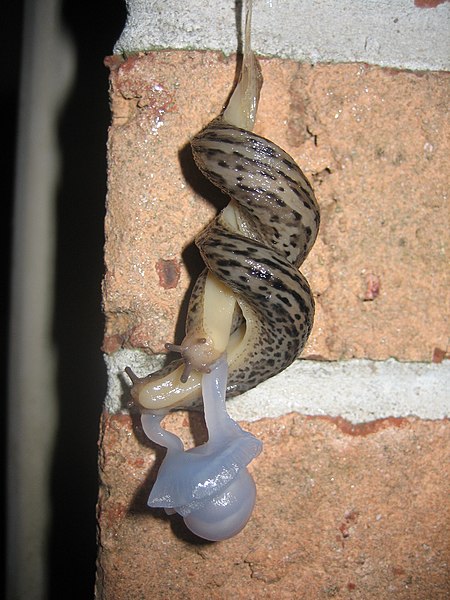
{"x": 243, "y": 104}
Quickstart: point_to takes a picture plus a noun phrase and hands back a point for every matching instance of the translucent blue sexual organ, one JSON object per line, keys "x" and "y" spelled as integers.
{"x": 209, "y": 486}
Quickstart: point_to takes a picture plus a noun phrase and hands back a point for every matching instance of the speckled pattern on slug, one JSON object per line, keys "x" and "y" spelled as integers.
{"x": 278, "y": 200}
{"x": 279, "y": 221}
{"x": 251, "y": 304}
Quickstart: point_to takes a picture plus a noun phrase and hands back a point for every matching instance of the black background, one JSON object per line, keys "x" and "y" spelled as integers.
{"x": 78, "y": 322}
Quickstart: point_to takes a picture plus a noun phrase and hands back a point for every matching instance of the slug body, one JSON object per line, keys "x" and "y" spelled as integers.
{"x": 251, "y": 301}
{"x": 250, "y": 314}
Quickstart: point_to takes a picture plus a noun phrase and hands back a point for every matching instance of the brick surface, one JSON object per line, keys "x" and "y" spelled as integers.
{"x": 373, "y": 141}
{"x": 342, "y": 512}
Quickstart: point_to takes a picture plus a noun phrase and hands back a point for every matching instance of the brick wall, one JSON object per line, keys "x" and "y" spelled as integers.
{"x": 345, "y": 509}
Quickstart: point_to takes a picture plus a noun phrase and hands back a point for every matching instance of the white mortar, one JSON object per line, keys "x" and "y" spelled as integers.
{"x": 358, "y": 390}
{"x": 391, "y": 33}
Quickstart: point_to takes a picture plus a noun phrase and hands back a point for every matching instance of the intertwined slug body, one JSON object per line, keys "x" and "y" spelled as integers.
{"x": 250, "y": 314}
{"x": 251, "y": 302}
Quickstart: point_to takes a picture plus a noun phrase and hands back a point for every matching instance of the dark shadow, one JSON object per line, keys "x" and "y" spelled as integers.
{"x": 11, "y": 33}
{"x": 78, "y": 322}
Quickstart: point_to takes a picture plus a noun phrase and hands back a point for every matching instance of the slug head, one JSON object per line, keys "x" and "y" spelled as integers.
{"x": 182, "y": 384}
{"x": 198, "y": 354}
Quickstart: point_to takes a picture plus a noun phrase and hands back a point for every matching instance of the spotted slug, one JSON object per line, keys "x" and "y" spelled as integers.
{"x": 251, "y": 301}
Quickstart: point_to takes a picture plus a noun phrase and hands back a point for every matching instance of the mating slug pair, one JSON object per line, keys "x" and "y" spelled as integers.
{"x": 250, "y": 313}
